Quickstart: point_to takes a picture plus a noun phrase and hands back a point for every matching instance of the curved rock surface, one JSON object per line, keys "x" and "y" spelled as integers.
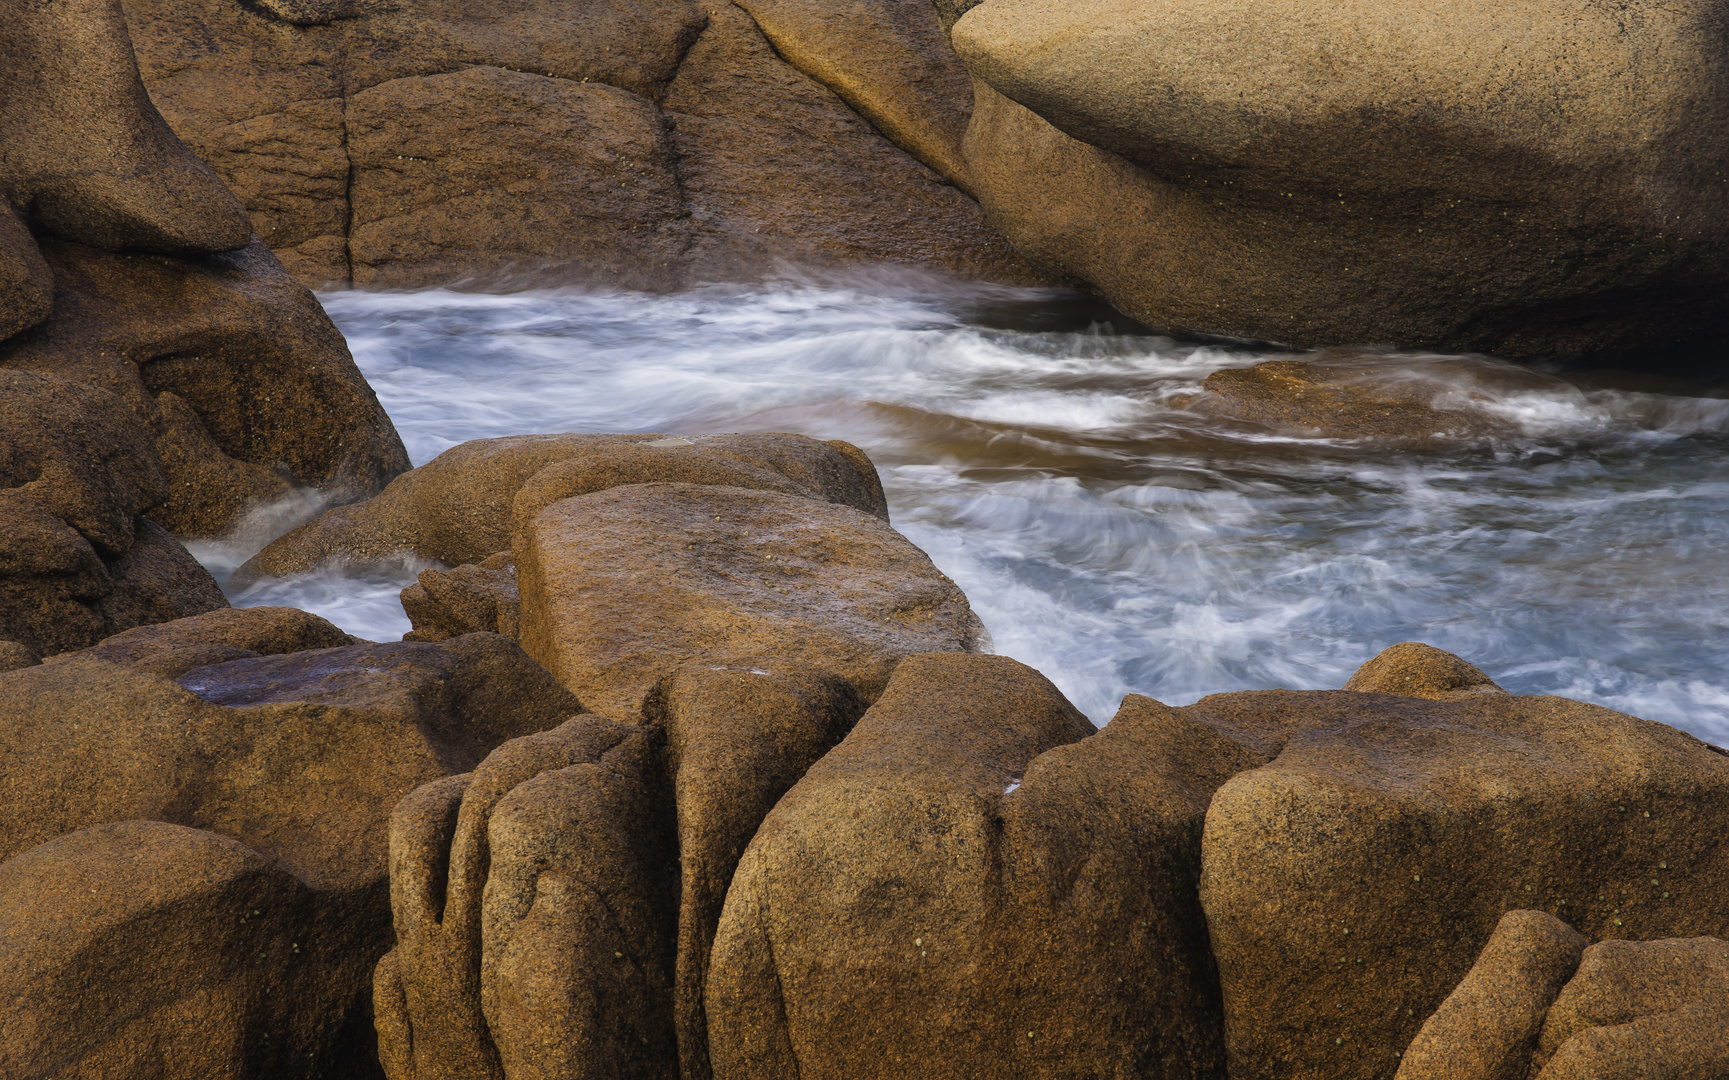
{"x": 1351, "y": 882}
{"x": 78, "y": 560}
{"x": 620, "y": 587}
{"x": 141, "y": 948}
{"x": 469, "y": 502}
{"x": 1528, "y": 179}
{"x": 643, "y": 145}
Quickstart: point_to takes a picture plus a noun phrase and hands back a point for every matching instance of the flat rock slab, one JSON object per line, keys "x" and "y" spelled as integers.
{"x": 621, "y": 586}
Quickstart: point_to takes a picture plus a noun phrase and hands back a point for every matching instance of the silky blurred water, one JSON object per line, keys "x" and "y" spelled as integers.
{"x": 1037, "y": 449}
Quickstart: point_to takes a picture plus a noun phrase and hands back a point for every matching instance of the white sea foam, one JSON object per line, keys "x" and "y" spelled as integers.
{"x": 1107, "y": 536}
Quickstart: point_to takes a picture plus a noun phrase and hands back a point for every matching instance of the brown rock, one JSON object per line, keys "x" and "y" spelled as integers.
{"x": 638, "y": 142}
{"x": 449, "y": 603}
{"x": 736, "y": 740}
{"x": 298, "y": 755}
{"x": 460, "y": 506}
{"x": 872, "y": 923}
{"x": 442, "y": 163}
{"x": 26, "y": 283}
{"x": 1488, "y": 1026}
{"x": 226, "y": 358}
{"x": 1415, "y": 404}
{"x": 141, "y": 948}
{"x": 1412, "y": 669}
{"x": 1350, "y": 884}
{"x": 87, "y": 152}
{"x": 1641, "y": 1009}
{"x": 1415, "y": 182}
{"x": 77, "y": 561}
{"x": 888, "y": 59}
{"x": 775, "y": 166}
{"x": 620, "y": 587}
{"x": 534, "y": 903}
{"x": 171, "y": 649}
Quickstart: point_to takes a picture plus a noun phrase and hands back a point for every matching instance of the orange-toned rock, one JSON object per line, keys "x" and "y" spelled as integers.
{"x": 1412, "y": 669}
{"x": 1641, "y": 1009}
{"x": 463, "y": 600}
{"x": 1352, "y": 881}
{"x": 461, "y": 506}
{"x": 1489, "y": 1024}
{"x": 620, "y": 587}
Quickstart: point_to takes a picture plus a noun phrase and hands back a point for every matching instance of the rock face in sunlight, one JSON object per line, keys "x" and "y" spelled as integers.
{"x": 620, "y": 585}
{"x": 1525, "y": 180}
{"x": 643, "y": 145}
{"x": 1533, "y": 1006}
{"x": 464, "y": 505}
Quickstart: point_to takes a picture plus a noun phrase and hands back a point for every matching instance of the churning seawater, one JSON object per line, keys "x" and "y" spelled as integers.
{"x": 1037, "y": 449}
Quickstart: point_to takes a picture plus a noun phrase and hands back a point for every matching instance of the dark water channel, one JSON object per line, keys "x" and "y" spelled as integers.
{"x": 1039, "y": 450}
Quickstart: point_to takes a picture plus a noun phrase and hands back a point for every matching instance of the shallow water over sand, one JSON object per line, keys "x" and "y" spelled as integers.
{"x": 1106, "y": 535}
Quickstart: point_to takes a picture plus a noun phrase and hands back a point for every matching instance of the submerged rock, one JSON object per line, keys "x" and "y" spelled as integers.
{"x": 622, "y": 586}
{"x": 1524, "y": 182}
{"x": 467, "y": 503}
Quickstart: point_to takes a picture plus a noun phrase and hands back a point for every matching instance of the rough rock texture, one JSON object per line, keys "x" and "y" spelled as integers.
{"x": 1642, "y": 1009}
{"x": 1523, "y": 180}
{"x": 620, "y": 587}
{"x": 299, "y": 755}
{"x": 1350, "y": 883}
{"x": 171, "y": 649}
{"x": 1489, "y": 1024}
{"x": 465, "y": 505}
{"x": 78, "y": 562}
{"x": 478, "y": 596}
{"x": 534, "y": 904}
{"x": 141, "y": 948}
{"x": 1413, "y": 669}
{"x": 247, "y": 386}
{"x": 1364, "y": 397}
{"x": 644, "y": 144}
{"x": 88, "y": 157}
{"x": 736, "y": 740}
{"x": 889, "y": 915}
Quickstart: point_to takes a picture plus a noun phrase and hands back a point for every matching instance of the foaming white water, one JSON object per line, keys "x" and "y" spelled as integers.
{"x": 1107, "y": 536}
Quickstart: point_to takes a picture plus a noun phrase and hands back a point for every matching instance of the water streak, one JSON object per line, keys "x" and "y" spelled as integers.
{"x": 1108, "y": 535}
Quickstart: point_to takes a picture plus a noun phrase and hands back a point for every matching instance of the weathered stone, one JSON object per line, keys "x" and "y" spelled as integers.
{"x": 86, "y": 150}
{"x": 1523, "y": 180}
{"x": 299, "y": 755}
{"x": 891, "y": 910}
{"x": 736, "y": 740}
{"x": 77, "y": 561}
{"x": 460, "y": 506}
{"x": 248, "y": 386}
{"x": 171, "y": 649}
{"x": 1641, "y": 1009}
{"x": 888, "y": 59}
{"x": 1412, "y": 669}
{"x": 1350, "y": 883}
{"x": 620, "y": 587}
{"x": 1488, "y": 1026}
{"x": 442, "y": 162}
{"x": 141, "y": 948}
{"x": 534, "y": 906}
{"x": 478, "y": 596}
